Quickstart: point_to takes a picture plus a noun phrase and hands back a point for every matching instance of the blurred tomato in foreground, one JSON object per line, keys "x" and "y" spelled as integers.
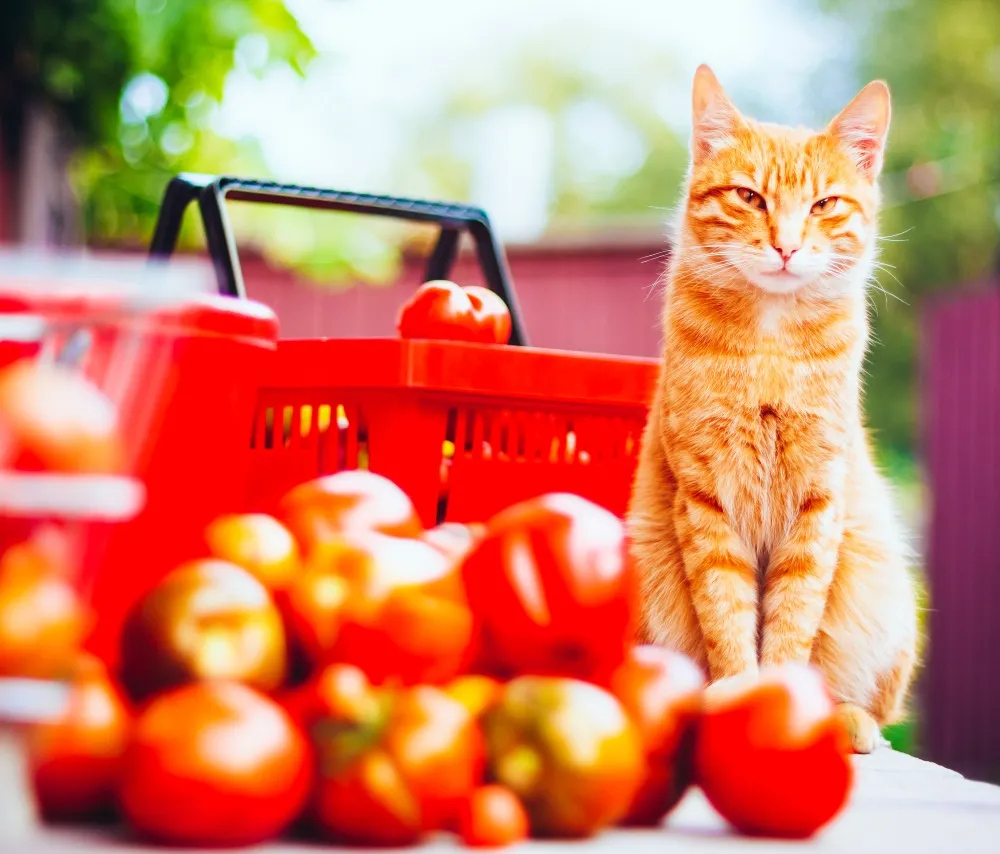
{"x": 214, "y": 764}
{"x": 207, "y": 619}
{"x": 553, "y": 589}
{"x": 772, "y": 758}
{"x": 391, "y": 763}
{"x": 568, "y": 750}
{"x": 257, "y": 542}
{"x": 394, "y": 607}
{"x": 348, "y": 501}
{"x": 661, "y": 690}
{"x": 76, "y": 760}
{"x": 54, "y": 419}
{"x": 492, "y": 817}
{"x": 445, "y": 311}
{"x": 43, "y": 620}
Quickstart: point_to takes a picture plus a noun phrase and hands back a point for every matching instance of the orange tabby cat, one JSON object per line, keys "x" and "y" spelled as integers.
{"x": 763, "y": 531}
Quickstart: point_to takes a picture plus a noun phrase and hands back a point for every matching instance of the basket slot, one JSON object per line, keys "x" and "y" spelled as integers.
{"x": 476, "y": 446}
{"x": 528, "y": 433}
{"x": 500, "y": 436}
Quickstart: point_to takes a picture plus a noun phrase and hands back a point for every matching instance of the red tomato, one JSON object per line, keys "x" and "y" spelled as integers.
{"x": 661, "y": 690}
{"x": 76, "y": 760}
{"x": 257, "y": 542}
{"x": 214, "y": 763}
{"x": 772, "y": 758}
{"x": 395, "y": 607}
{"x": 54, "y": 419}
{"x": 552, "y": 589}
{"x": 393, "y": 763}
{"x": 43, "y": 620}
{"x": 443, "y": 310}
{"x": 493, "y": 817}
{"x": 207, "y": 619}
{"x": 346, "y": 502}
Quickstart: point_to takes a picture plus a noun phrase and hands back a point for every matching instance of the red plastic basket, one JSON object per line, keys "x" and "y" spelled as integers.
{"x": 464, "y": 429}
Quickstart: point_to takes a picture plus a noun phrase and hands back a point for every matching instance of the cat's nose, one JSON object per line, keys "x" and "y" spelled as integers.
{"x": 786, "y": 252}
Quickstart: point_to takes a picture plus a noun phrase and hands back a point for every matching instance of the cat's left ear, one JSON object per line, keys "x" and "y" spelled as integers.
{"x": 714, "y": 118}
{"x": 862, "y": 126}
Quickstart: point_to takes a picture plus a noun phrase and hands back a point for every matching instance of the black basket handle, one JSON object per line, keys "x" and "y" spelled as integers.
{"x": 211, "y": 192}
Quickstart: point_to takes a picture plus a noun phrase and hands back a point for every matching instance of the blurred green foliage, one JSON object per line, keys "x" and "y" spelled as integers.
{"x": 137, "y": 83}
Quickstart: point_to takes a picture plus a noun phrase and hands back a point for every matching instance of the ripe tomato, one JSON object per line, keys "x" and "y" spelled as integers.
{"x": 568, "y": 750}
{"x": 772, "y": 758}
{"x": 43, "y": 620}
{"x": 54, "y": 419}
{"x": 395, "y": 607}
{"x": 207, "y": 619}
{"x": 214, "y": 763}
{"x": 443, "y": 310}
{"x": 346, "y": 502}
{"x": 553, "y": 589}
{"x": 257, "y": 542}
{"x": 493, "y": 817}
{"x": 661, "y": 690}
{"x": 392, "y": 763}
{"x": 76, "y": 760}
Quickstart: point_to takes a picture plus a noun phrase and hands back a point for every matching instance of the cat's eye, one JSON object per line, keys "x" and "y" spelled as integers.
{"x": 825, "y": 205}
{"x": 755, "y": 200}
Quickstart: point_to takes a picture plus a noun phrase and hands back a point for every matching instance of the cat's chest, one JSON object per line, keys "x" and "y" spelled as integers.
{"x": 765, "y": 428}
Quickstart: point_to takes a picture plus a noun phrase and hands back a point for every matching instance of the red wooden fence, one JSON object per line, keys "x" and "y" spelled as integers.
{"x": 961, "y": 413}
{"x": 600, "y": 300}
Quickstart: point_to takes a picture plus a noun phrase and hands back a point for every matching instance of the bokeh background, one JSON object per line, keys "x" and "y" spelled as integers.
{"x": 568, "y": 122}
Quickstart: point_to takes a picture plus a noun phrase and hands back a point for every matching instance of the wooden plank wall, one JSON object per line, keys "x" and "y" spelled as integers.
{"x": 961, "y": 438}
{"x": 600, "y": 300}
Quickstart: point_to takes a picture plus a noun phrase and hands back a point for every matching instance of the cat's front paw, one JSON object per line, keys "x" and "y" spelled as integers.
{"x": 861, "y": 727}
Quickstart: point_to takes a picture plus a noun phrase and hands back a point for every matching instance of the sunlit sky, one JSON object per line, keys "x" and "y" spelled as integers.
{"x": 385, "y": 66}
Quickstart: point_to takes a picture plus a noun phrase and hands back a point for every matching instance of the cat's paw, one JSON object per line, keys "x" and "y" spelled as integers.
{"x": 861, "y": 727}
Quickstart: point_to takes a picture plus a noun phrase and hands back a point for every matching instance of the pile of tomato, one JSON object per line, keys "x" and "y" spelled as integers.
{"x": 337, "y": 671}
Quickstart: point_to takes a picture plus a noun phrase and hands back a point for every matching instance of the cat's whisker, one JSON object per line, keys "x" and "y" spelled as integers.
{"x": 894, "y": 238}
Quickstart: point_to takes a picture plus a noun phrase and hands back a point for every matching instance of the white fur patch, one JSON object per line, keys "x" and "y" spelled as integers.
{"x": 771, "y": 312}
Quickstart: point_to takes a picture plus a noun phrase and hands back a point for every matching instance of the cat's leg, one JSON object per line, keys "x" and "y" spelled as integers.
{"x": 866, "y": 647}
{"x": 721, "y": 574}
{"x": 798, "y": 579}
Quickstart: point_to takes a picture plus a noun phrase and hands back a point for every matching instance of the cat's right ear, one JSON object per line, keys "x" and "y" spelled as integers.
{"x": 714, "y": 118}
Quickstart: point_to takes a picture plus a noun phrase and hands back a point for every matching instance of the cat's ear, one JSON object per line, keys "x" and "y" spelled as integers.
{"x": 862, "y": 127}
{"x": 714, "y": 118}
